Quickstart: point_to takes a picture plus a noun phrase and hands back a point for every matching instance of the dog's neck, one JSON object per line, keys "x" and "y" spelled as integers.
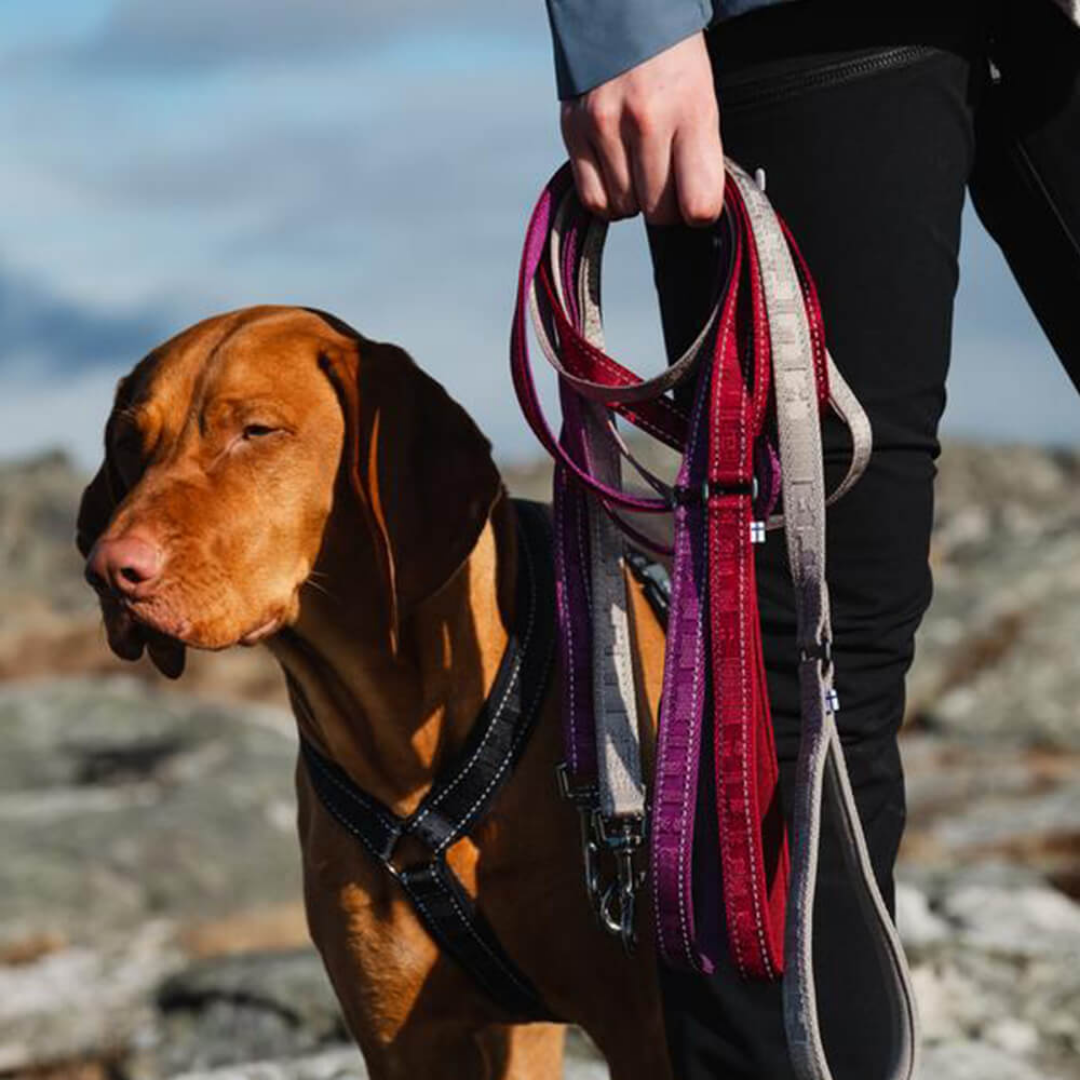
{"x": 392, "y": 713}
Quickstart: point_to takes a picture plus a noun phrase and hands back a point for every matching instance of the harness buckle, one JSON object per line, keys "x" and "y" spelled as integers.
{"x": 393, "y": 838}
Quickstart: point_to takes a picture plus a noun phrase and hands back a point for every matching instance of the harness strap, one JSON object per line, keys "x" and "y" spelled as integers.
{"x": 462, "y": 795}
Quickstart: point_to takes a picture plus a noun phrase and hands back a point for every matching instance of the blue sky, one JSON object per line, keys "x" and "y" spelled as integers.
{"x": 165, "y": 161}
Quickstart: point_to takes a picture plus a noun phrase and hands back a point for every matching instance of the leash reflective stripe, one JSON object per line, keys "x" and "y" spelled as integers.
{"x": 618, "y": 742}
{"x": 822, "y": 773}
{"x": 753, "y": 851}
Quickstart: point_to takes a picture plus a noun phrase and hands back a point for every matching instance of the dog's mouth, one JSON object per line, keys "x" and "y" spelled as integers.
{"x": 162, "y": 625}
{"x": 157, "y": 620}
{"x": 263, "y": 631}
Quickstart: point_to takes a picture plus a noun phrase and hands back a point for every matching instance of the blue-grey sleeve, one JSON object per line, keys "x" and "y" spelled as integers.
{"x": 595, "y": 40}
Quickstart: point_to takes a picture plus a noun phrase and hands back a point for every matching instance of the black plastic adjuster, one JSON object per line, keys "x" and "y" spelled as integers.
{"x": 689, "y": 494}
{"x": 819, "y": 650}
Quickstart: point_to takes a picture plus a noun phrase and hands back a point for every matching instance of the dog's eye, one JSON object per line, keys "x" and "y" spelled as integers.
{"x": 259, "y": 431}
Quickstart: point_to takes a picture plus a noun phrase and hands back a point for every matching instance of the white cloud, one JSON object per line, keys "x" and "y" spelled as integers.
{"x": 387, "y": 179}
{"x": 199, "y": 33}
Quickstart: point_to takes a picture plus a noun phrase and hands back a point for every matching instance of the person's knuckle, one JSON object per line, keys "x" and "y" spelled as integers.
{"x": 701, "y": 208}
{"x": 641, "y": 117}
{"x": 602, "y": 113}
{"x": 594, "y": 201}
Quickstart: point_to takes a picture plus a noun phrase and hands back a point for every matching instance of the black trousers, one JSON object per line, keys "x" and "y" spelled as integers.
{"x": 870, "y": 127}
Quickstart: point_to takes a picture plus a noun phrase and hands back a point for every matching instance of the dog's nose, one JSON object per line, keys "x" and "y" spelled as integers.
{"x": 123, "y": 565}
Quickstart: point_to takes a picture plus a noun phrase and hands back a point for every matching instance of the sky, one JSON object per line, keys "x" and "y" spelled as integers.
{"x": 161, "y": 162}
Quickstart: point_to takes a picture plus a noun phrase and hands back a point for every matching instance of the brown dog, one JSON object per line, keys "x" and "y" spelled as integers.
{"x": 272, "y": 476}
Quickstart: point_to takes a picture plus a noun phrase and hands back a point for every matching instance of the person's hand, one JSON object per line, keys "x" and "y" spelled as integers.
{"x": 649, "y": 140}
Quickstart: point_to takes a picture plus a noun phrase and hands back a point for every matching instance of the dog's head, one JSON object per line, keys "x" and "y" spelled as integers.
{"x": 228, "y": 451}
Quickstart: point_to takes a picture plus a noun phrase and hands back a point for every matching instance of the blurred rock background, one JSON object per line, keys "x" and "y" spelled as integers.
{"x": 150, "y": 921}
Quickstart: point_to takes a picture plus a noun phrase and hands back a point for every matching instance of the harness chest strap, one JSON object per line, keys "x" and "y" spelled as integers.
{"x": 462, "y": 793}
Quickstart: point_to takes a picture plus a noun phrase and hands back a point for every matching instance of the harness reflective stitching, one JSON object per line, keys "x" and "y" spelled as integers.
{"x": 564, "y": 617}
{"x": 469, "y": 927}
{"x": 468, "y": 819}
{"x": 485, "y": 961}
{"x": 363, "y": 800}
{"x": 311, "y": 762}
{"x": 521, "y": 653}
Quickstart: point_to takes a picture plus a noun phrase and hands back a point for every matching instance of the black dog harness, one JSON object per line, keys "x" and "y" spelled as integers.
{"x": 463, "y": 793}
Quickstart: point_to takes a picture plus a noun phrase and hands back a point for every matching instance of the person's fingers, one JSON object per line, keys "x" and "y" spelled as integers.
{"x": 697, "y": 162}
{"x": 613, "y": 158}
{"x": 589, "y": 180}
{"x": 650, "y": 163}
{"x": 588, "y": 175}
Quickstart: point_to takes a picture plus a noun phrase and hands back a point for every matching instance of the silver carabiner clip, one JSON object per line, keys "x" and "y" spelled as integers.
{"x": 622, "y": 836}
{"x": 590, "y": 853}
{"x": 584, "y": 798}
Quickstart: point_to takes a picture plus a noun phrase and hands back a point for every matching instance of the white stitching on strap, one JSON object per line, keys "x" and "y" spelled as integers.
{"x": 510, "y": 684}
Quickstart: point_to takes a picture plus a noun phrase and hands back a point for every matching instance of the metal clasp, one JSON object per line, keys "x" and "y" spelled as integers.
{"x": 622, "y": 836}
{"x": 584, "y": 798}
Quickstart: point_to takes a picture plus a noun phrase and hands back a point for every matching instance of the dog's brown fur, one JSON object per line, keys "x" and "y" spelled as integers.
{"x": 368, "y": 540}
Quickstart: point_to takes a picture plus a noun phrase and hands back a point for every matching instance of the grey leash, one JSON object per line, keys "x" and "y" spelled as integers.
{"x": 821, "y": 772}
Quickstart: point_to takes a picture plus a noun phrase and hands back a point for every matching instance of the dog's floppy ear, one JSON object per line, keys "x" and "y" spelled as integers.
{"x": 104, "y": 493}
{"x": 418, "y": 464}
{"x": 99, "y": 502}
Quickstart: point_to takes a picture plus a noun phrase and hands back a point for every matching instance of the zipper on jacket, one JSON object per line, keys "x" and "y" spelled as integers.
{"x": 760, "y": 88}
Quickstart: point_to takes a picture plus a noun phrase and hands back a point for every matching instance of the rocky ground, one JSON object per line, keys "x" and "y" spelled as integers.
{"x": 150, "y": 924}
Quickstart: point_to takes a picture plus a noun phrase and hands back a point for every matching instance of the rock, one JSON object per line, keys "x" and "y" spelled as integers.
{"x": 1006, "y": 975}
{"x": 243, "y": 1008}
{"x": 970, "y": 1060}
{"x": 120, "y": 805}
{"x": 81, "y": 1003}
{"x": 346, "y": 1064}
{"x": 1021, "y": 922}
{"x": 919, "y": 927}
{"x": 339, "y": 1064}
{"x": 1015, "y": 1037}
{"x": 41, "y": 574}
{"x": 972, "y": 803}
